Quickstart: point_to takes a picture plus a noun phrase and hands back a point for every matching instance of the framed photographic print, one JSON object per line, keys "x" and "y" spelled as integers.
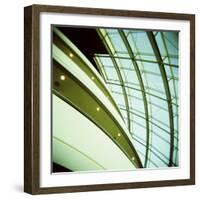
{"x": 109, "y": 99}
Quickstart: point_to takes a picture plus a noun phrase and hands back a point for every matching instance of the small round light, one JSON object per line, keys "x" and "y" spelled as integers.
{"x": 62, "y": 77}
{"x": 92, "y": 77}
{"x": 98, "y": 109}
{"x": 71, "y": 55}
{"x": 118, "y": 134}
{"x": 133, "y": 158}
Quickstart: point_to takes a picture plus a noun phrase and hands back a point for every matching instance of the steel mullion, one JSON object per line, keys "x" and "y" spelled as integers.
{"x": 167, "y": 91}
{"x": 169, "y": 60}
{"x": 141, "y": 59}
{"x": 119, "y": 76}
{"x": 131, "y": 54}
{"x": 111, "y": 83}
{"x": 173, "y": 77}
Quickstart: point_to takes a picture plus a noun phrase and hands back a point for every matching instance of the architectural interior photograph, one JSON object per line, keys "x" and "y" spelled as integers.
{"x": 115, "y": 99}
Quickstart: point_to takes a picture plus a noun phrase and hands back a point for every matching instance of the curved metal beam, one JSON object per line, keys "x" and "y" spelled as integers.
{"x": 167, "y": 91}
{"x": 173, "y": 78}
{"x": 132, "y": 56}
{"x": 63, "y": 43}
{"x": 120, "y": 78}
{"x": 170, "y": 64}
{"x": 104, "y": 119}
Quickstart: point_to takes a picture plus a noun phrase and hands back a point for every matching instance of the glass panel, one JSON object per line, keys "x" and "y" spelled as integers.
{"x": 171, "y": 40}
{"x": 173, "y": 88}
{"x": 111, "y": 73}
{"x": 136, "y": 105}
{"x": 124, "y": 63}
{"x": 160, "y": 114}
{"x": 174, "y": 60}
{"x": 152, "y": 164}
{"x": 175, "y": 71}
{"x": 124, "y": 113}
{"x": 149, "y": 67}
{"x": 119, "y": 98}
{"x": 176, "y": 122}
{"x": 130, "y": 76}
{"x": 106, "y": 61}
{"x": 139, "y": 130}
{"x": 111, "y": 31}
{"x": 142, "y": 45}
{"x": 117, "y": 43}
{"x": 161, "y": 45}
{"x": 132, "y": 85}
{"x": 162, "y": 133}
{"x": 140, "y": 148}
{"x": 161, "y": 145}
{"x": 159, "y": 154}
{"x": 157, "y": 160}
{"x": 156, "y": 93}
{"x": 155, "y": 82}
{"x": 116, "y": 89}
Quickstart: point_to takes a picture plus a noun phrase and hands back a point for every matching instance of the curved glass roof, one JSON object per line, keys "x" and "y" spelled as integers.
{"x": 141, "y": 70}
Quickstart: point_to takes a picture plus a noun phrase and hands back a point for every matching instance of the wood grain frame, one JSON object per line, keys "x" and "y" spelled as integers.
{"x": 32, "y": 91}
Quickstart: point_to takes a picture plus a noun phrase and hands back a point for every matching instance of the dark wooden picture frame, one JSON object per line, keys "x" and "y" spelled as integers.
{"x": 32, "y": 93}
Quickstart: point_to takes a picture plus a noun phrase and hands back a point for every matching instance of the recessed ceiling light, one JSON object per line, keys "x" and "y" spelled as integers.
{"x": 71, "y": 55}
{"x": 92, "y": 77}
{"x": 133, "y": 158}
{"x": 118, "y": 134}
{"x": 62, "y": 77}
{"x": 98, "y": 109}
